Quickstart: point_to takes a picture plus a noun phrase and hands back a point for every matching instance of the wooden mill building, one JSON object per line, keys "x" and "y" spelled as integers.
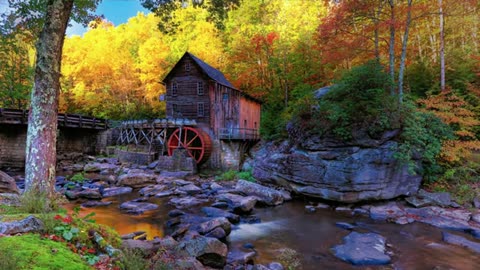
{"x": 196, "y": 90}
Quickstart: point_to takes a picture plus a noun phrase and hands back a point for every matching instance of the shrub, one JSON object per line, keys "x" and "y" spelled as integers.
{"x": 133, "y": 259}
{"x": 78, "y": 177}
{"x": 231, "y": 175}
{"x": 226, "y": 176}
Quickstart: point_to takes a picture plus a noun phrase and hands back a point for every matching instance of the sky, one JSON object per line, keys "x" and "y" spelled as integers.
{"x": 115, "y": 11}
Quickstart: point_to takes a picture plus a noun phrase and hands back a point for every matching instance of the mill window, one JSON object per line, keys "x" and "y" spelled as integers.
{"x": 200, "y": 88}
{"x": 174, "y": 88}
{"x": 200, "y": 109}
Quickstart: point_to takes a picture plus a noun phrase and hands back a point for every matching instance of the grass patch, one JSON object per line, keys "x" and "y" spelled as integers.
{"x": 133, "y": 259}
{"x": 231, "y": 175}
{"x": 35, "y": 253}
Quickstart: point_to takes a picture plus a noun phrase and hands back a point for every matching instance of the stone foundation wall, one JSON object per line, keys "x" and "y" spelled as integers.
{"x": 135, "y": 157}
{"x": 13, "y": 143}
{"x": 179, "y": 161}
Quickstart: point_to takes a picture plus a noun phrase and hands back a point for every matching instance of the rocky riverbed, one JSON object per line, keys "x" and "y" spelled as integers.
{"x": 230, "y": 225}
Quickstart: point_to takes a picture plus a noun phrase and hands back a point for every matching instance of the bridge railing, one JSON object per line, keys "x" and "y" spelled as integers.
{"x": 14, "y": 116}
{"x": 238, "y": 134}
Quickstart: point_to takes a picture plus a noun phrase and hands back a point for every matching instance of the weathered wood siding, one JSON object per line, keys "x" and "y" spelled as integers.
{"x": 187, "y": 100}
{"x": 225, "y": 107}
{"x": 249, "y": 113}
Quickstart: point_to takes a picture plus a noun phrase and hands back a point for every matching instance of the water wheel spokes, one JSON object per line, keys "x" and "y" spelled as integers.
{"x": 195, "y": 141}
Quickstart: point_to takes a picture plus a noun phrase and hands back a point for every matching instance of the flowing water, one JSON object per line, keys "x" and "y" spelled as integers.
{"x": 415, "y": 246}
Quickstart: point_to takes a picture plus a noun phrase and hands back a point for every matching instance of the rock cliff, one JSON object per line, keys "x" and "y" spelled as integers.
{"x": 344, "y": 172}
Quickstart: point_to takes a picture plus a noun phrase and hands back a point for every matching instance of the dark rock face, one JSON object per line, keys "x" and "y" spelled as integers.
{"x": 7, "y": 184}
{"x": 363, "y": 249}
{"x": 332, "y": 171}
{"x": 29, "y": 224}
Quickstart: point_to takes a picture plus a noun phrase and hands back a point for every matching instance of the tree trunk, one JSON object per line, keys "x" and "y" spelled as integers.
{"x": 392, "y": 46}
{"x": 442, "y": 47}
{"x": 404, "y": 52}
{"x": 42, "y": 121}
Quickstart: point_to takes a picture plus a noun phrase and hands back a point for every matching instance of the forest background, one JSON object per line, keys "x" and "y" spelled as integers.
{"x": 280, "y": 51}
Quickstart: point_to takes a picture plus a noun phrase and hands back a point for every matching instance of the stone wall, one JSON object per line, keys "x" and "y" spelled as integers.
{"x": 13, "y": 143}
{"x": 135, "y": 157}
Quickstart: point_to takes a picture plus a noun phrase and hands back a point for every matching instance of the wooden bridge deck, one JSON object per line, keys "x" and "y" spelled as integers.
{"x": 20, "y": 117}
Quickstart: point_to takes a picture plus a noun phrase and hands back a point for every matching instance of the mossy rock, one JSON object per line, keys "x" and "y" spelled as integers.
{"x": 35, "y": 253}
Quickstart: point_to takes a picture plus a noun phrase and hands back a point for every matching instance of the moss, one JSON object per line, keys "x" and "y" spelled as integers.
{"x": 33, "y": 252}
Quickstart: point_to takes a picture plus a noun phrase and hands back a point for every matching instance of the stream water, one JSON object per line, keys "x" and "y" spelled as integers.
{"x": 415, "y": 246}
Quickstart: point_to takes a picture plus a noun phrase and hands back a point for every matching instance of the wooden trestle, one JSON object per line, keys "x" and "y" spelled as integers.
{"x": 167, "y": 133}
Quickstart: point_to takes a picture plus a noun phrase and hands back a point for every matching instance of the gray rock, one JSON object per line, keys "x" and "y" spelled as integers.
{"x": 215, "y": 186}
{"x": 344, "y": 173}
{"x": 181, "y": 182}
{"x": 236, "y": 257}
{"x": 209, "y": 251}
{"x": 115, "y": 191}
{"x": 345, "y": 225}
{"x": 190, "y": 189}
{"x": 460, "y": 241}
{"x": 266, "y": 195}
{"x": 275, "y": 266}
{"x": 476, "y": 218}
{"x": 476, "y": 202}
{"x": 218, "y": 233}
{"x": 97, "y": 167}
{"x": 362, "y": 249}
{"x": 7, "y": 184}
{"x": 152, "y": 190}
{"x": 29, "y": 224}
{"x": 439, "y": 198}
{"x": 238, "y": 203}
{"x": 176, "y": 213}
{"x": 89, "y": 193}
{"x": 186, "y": 202}
{"x": 152, "y": 165}
{"x": 137, "y": 207}
{"x": 136, "y": 180}
{"x": 310, "y": 208}
{"x": 215, "y": 212}
{"x": 210, "y": 225}
{"x": 91, "y": 204}
{"x": 164, "y": 194}
{"x": 418, "y": 202}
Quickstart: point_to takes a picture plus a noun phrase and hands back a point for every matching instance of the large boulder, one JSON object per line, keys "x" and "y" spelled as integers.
{"x": 136, "y": 179}
{"x": 7, "y": 184}
{"x": 337, "y": 172}
{"x": 266, "y": 195}
{"x": 210, "y": 251}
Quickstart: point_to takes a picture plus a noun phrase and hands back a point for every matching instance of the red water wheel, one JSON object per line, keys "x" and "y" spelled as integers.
{"x": 196, "y": 141}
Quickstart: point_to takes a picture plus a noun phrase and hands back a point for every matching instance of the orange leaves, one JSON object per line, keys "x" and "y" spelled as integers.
{"x": 456, "y": 112}
{"x": 456, "y": 151}
{"x": 452, "y": 109}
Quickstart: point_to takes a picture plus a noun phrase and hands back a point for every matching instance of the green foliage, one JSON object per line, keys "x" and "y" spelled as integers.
{"x": 78, "y": 177}
{"x": 246, "y": 175}
{"x": 226, "y": 176}
{"x": 422, "y": 135}
{"x": 420, "y": 78}
{"x": 231, "y": 175}
{"x": 359, "y": 100}
{"x": 33, "y": 252}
